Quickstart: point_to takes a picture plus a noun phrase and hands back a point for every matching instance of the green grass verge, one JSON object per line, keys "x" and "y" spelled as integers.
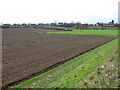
{"x": 72, "y": 73}
{"x": 105, "y": 75}
{"x": 86, "y": 32}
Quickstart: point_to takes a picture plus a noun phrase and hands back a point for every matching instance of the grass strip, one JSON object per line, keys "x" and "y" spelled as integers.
{"x": 105, "y": 75}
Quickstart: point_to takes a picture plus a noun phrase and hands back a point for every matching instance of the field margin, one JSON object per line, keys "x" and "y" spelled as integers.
{"x": 0, "y": 58}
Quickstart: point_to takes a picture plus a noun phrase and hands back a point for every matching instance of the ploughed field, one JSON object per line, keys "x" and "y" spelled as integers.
{"x": 25, "y": 52}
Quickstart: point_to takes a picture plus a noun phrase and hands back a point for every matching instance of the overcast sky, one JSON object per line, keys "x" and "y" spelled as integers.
{"x": 47, "y": 11}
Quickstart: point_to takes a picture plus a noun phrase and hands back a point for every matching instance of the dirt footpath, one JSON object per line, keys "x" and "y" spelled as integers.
{"x": 25, "y": 52}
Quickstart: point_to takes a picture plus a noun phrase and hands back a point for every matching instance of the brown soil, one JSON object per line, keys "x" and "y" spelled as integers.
{"x": 24, "y": 52}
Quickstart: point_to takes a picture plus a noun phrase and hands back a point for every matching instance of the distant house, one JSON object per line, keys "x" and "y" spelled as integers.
{"x": 61, "y": 24}
{"x": 84, "y": 26}
{"x": 6, "y": 26}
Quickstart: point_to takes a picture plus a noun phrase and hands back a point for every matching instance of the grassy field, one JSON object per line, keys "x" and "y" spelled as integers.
{"x": 97, "y": 68}
{"x": 87, "y": 32}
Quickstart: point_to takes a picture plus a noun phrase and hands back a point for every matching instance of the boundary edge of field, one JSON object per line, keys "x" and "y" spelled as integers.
{"x": 0, "y": 58}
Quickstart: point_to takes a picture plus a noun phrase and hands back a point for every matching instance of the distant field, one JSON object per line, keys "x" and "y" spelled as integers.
{"x": 87, "y": 32}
